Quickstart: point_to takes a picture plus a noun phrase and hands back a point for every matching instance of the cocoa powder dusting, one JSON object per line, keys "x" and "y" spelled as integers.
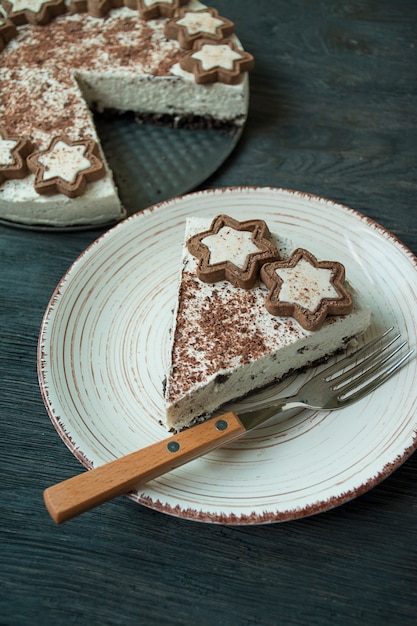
{"x": 219, "y": 337}
{"x": 41, "y": 70}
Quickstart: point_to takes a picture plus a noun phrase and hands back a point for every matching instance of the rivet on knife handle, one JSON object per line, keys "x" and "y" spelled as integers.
{"x": 89, "y": 489}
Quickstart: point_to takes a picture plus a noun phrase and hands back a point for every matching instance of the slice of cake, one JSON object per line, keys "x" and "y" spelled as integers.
{"x": 233, "y": 333}
{"x": 172, "y": 60}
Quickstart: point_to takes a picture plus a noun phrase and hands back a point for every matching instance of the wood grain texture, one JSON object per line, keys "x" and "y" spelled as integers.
{"x": 86, "y": 490}
{"x": 333, "y": 112}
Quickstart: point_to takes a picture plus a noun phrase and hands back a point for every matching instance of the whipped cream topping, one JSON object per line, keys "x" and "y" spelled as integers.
{"x": 64, "y": 161}
{"x": 30, "y": 5}
{"x": 306, "y": 285}
{"x": 6, "y": 148}
{"x": 150, "y": 3}
{"x": 216, "y": 56}
{"x": 201, "y": 22}
{"x": 230, "y": 245}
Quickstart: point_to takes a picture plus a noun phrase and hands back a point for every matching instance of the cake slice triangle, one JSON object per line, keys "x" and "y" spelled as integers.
{"x": 226, "y": 344}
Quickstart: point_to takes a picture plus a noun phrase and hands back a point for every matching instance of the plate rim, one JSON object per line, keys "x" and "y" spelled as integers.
{"x": 207, "y": 516}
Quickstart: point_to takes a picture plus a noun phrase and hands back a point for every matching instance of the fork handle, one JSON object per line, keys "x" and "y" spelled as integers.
{"x": 89, "y": 489}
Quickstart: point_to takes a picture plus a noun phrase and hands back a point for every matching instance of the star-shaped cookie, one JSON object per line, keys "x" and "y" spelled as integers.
{"x": 96, "y": 8}
{"x": 152, "y": 9}
{"x": 232, "y": 250}
{"x": 13, "y": 153}
{"x": 306, "y": 289}
{"x": 188, "y": 26}
{"x": 220, "y": 61}
{"x": 66, "y": 166}
{"x": 7, "y": 31}
{"x": 33, "y": 11}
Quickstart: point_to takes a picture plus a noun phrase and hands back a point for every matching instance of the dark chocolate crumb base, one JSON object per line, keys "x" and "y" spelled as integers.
{"x": 190, "y": 122}
{"x": 321, "y": 361}
{"x": 197, "y": 420}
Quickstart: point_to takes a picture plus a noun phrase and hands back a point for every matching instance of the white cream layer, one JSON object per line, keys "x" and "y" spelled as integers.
{"x": 212, "y": 56}
{"x": 230, "y": 245}
{"x": 64, "y": 161}
{"x": 204, "y": 22}
{"x": 306, "y": 285}
{"x": 6, "y": 148}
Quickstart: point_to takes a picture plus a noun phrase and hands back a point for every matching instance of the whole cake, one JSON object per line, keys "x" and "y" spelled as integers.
{"x": 170, "y": 59}
{"x": 251, "y": 309}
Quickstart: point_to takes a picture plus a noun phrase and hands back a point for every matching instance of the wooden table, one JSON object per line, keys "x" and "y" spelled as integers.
{"x": 333, "y": 112}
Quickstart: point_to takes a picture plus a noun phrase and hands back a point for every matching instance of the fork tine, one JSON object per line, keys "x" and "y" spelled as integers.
{"x": 376, "y": 382}
{"x": 357, "y": 375}
{"x": 366, "y": 366}
{"x": 341, "y": 365}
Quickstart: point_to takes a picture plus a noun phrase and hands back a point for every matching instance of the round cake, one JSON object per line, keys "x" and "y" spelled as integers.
{"x": 170, "y": 60}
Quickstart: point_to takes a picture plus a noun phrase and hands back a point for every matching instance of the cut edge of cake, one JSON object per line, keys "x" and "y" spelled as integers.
{"x": 156, "y": 89}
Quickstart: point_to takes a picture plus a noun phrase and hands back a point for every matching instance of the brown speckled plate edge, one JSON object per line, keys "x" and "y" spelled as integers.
{"x": 299, "y": 465}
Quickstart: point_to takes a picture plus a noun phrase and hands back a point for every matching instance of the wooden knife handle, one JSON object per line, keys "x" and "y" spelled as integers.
{"x": 89, "y": 489}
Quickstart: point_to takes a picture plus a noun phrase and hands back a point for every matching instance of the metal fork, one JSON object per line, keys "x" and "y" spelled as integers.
{"x": 335, "y": 387}
{"x": 342, "y": 383}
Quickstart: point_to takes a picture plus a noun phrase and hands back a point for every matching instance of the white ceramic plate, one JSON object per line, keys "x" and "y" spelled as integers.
{"x": 103, "y": 352}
